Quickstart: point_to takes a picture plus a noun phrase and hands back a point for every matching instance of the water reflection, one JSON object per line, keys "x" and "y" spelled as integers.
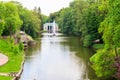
{"x": 58, "y": 58}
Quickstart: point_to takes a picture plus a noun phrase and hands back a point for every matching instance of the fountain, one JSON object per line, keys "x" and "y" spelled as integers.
{"x": 54, "y": 28}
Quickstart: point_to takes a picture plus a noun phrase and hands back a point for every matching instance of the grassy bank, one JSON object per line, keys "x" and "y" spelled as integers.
{"x": 5, "y": 78}
{"x": 98, "y": 46}
{"x": 15, "y": 55}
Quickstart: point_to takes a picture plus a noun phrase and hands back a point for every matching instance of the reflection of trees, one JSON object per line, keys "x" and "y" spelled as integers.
{"x": 75, "y": 46}
{"x": 33, "y": 48}
{"x": 83, "y": 53}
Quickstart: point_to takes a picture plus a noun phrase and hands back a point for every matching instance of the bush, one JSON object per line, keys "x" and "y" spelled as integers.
{"x": 87, "y": 41}
{"x": 98, "y": 46}
{"x": 103, "y": 62}
{"x": 16, "y": 50}
{"x": 21, "y": 46}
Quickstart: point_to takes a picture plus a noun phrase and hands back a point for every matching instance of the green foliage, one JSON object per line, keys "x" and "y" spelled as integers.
{"x": 103, "y": 62}
{"x": 1, "y": 26}
{"x": 12, "y": 20}
{"x": 79, "y": 10}
{"x": 87, "y": 42}
{"x": 44, "y": 18}
{"x": 92, "y": 20}
{"x": 110, "y": 29}
{"x": 66, "y": 25}
{"x": 98, "y": 46}
{"x": 15, "y": 59}
{"x": 52, "y": 17}
{"x": 21, "y": 46}
{"x": 2, "y": 22}
{"x": 14, "y": 17}
{"x": 16, "y": 50}
{"x": 9, "y": 45}
{"x": 31, "y": 23}
{"x": 5, "y": 78}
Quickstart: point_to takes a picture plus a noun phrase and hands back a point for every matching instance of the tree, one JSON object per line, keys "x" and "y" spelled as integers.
{"x": 52, "y": 17}
{"x": 44, "y": 18}
{"x": 31, "y": 23}
{"x": 37, "y": 11}
{"x": 110, "y": 29}
{"x": 78, "y": 8}
{"x": 87, "y": 18}
{"x": 12, "y": 19}
{"x": 93, "y": 18}
{"x": 2, "y": 22}
{"x": 66, "y": 21}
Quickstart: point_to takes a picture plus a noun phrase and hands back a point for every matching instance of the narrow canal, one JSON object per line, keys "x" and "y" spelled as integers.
{"x": 58, "y": 58}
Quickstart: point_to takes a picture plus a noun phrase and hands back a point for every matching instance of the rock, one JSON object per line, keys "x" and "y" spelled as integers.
{"x": 25, "y": 39}
{"x": 96, "y": 41}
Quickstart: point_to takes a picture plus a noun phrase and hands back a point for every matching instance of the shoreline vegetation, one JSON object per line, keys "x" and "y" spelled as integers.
{"x": 15, "y": 54}
{"x": 98, "y": 46}
{"x": 13, "y": 48}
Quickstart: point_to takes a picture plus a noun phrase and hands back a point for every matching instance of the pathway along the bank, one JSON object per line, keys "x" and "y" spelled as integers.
{"x": 3, "y": 59}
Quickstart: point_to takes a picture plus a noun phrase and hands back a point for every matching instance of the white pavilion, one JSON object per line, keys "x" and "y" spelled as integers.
{"x": 50, "y": 27}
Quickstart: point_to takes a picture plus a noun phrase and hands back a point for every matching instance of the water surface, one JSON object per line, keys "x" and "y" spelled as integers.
{"x": 58, "y": 58}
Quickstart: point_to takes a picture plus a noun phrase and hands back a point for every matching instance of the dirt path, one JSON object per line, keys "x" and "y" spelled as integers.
{"x": 4, "y": 74}
{"x": 3, "y": 59}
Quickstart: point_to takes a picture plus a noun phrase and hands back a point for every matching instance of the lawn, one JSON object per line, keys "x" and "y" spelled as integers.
{"x": 5, "y": 78}
{"x": 15, "y": 56}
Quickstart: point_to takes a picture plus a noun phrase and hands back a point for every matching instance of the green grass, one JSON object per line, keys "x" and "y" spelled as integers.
{"x": 98, "y": 46}
{"x": 15, "y": 57}
{"x": 5, "y": 78}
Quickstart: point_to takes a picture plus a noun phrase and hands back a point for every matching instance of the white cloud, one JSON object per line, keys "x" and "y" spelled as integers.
{"x": 47, "y": 6}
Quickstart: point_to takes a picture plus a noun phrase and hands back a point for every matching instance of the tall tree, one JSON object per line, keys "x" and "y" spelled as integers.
{"x": 66, "y": 21}
{"x": 2, "y": 21}
{"x": 37, "y": 11}
{"x": 12, "y": 19}
{"x": 92, "y": 20}
{"x": 31, "y": 23}
{"x": 104, "y": 60}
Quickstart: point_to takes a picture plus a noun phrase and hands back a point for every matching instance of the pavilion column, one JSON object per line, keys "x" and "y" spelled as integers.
{"x": 48, "y": 28}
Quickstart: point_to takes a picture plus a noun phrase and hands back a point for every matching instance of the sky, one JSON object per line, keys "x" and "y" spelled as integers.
{"x": 47, "y": 6}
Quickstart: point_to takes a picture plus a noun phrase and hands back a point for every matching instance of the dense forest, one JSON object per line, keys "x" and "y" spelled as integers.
{"x": 95, "y": 21}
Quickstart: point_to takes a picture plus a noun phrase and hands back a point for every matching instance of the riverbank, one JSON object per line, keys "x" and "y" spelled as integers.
{"x": 15, "y": 55}
{"x": 98, "y": 46}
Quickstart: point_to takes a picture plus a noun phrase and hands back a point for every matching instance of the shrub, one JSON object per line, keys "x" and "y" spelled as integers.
{"x": 21, "y": 46}
{"x": 103, "y": 62}
{"x": 87, "y": 41}
{"x": 15, "y": 49}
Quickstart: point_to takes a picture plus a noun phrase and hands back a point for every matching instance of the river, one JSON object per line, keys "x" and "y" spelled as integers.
{"x": 58, "y": 58}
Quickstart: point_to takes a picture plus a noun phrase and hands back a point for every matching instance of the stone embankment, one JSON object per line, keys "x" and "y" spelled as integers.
{"x": 17, "y": 76}
{"x": 25, "y": 39}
